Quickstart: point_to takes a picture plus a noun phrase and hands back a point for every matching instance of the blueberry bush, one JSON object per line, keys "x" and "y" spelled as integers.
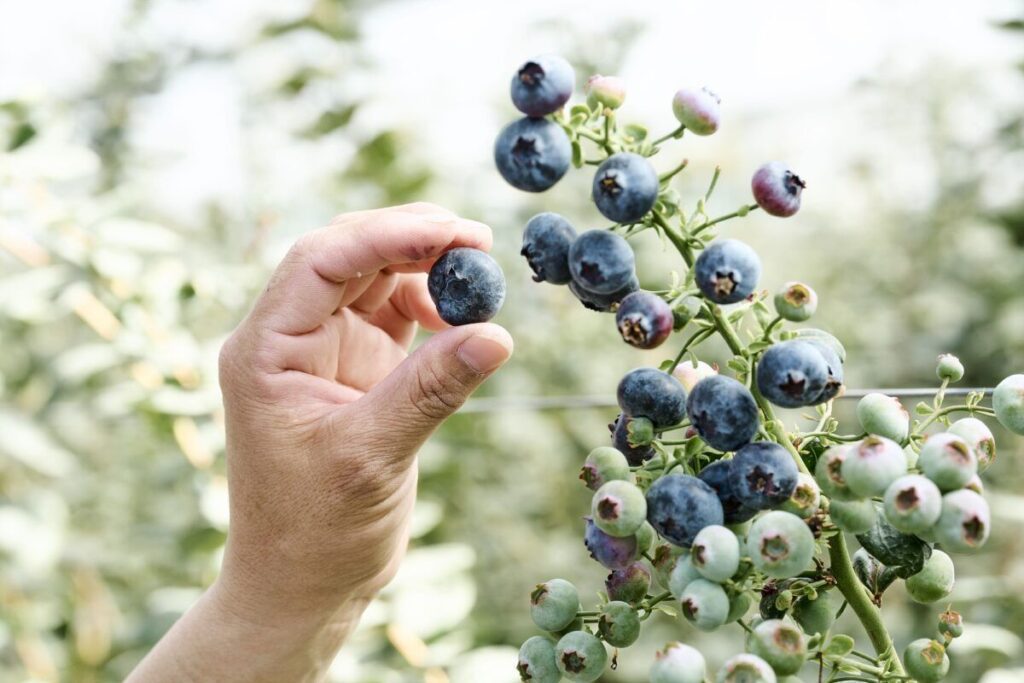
{"x": 707, "y": 506}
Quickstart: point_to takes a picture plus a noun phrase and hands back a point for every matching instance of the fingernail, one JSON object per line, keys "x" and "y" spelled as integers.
{"x": 484, "y": 354}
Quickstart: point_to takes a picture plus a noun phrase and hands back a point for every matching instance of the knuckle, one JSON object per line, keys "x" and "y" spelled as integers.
{"x": 438, "y": 394}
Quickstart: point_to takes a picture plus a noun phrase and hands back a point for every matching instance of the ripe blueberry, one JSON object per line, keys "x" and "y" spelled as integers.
{"x": 467, "y": 286}
{"x": 625, "y": 187}
{"x": 546, "y": 242}
{"x": 697, "y": 109}
{"x": 764, "y": 475}
{"x": 780, "y": 544}
{"x": 935, "y": 581}
{"x": 715, "y": 553}
{"x": 605, "y": 91}
{"x": 872, "y": 465}
{"x": 654, "y": 394}
{"x": 553, "y": 604}
{"x": 629, "y": 584}
{"x": 926, "y": 660}
{"x": 602, "y": 303}
{"x": 604, "y": 464}
{"x": 853, "y": 516}
{"x": 947, "y": 460}
{"x": 705, "y": 604}
{"x": 828, "y": 472}
{"x": 636, "y": 452}
{"x": 949, "y": 367}
{"x": 678, "y": 663}
{"x": 727, "y": 271}
{"x": 723, "y": 412}
{"x": 834, "y": 381}
{"x": 679, "y": 506}
{"x": 537, "y": 661}
{"x": 619, "y": 508}
{"x": 580, "y": 656}
{"x": 644, "y": 320}
{"x": 689, "y": 373}
{"x": 718, "y": 475}
{"x": 611, "y": 551}
{"x": 777, "y": 189}
{"x": 792, "y": 373}
{"x": 619, "y": 624}
{"x": 977, "y": 434}
{"x": 796, "y": 302}
{"x": 1008, "y": 402}
{"x": 883, "y": 416}
{"x": 532, "y": 154}
{"x": 780, "y": 643}
{"x": 542, "y": 85}
{"x": 746, "y": 668}
{"x": 601, "y": 262}
{"x": 964, "y": 523}
{"x": 806, "y": 497}
{"x": 913, "y": 504}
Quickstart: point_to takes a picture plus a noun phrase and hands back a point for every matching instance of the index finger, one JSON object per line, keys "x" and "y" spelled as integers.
{"x": 309, "y": 284}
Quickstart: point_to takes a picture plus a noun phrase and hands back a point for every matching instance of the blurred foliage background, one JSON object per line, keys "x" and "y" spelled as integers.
{"x": 159, "y": 155}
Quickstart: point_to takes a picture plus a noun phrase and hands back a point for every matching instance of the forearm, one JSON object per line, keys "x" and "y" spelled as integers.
{"x": 223, "y": 639}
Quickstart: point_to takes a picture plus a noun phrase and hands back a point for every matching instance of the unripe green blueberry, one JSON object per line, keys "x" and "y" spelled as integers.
{"x": 604, "y": 464}
{"x": 537, "y": 661}
{"x": 665, "y": 557}
{"x": 979, "y": 437}
{"x": 698, "y": 110}
{"x": 815, "y": 616}
{"x": 829, "y": 472}
{"x": 639, "y": 432}
{"x": 935, "y": 581}
{"x": 682, "y": 574}
{"x": 853, "y": 516}
{"x": 949, "y": 367}
{"x": 619, "y": 508}
{"x": 574, "y": 625}
{"x": 926, "y": 660}
{"x": 605, "y": 91}
{"x": 964, "y": 523}
{"x": 580, "y": 656}
{"x": 976, "y": 485}
{"x": 715, "y": 553}
{"x": 746, "y": 668}
{"x": 781, "y": 643}
{"x": 796, "y": 302}
{"x": 645, "y": 537}
{"x": 619, "y": 624}
{"x": 678, "y": 663}
{"x": 912, "y": 504}
{"x": 780, "y": 544}
{"x": 739, "y": 605}
{"x": 951, "y": 624}
{"x": 689, "y": 374}
{"x": 948, "y": 461}
{"x": 883, "y": 416}
{"x": 911, "y": 456}
{"x": 872, "y": 464}
{"x": 806, "y": 498}
{"x": 553, "y": 604}
{"x": 1008, "y": 402}
{"x": 630, "y": 584}
{"x": 705, "y": 604}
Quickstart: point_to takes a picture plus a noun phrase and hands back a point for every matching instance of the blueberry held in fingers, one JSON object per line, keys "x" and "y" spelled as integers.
{"x": 467, "y": 286}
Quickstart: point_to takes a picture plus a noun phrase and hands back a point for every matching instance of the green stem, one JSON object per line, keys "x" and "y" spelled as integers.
{"x": 677, "y": 133}
{"x": 742, "y": 211}
{"x": 919, "y": 430}
{"x": 859, "y": 600}
{"x": 696, "y": 338}
{"x": 714, "y": 181}
{"x": 666, "y": 176}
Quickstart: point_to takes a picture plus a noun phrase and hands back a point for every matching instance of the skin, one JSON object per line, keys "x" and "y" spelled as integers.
{"x": 325, "y": 412}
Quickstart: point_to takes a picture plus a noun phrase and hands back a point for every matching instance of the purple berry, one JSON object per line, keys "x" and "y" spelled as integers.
{"x": 532, "y": 154}
{"x": 723, "y": 412}
{"x": 644, "y": 320}
{"x": 546, "y": 242}
{"x": 625, "y": 187}
{"x": 654, "y": 394}
{"x": 601, "y": 262}
{"x": 697, "y": 109}
{"x": 602, "y": 303}
{"x": 612, "y": 552}
{"x": 629, "y": 584}
{"x": 718, "y": 475}
{"x": 764, "y": 475}
{"x": 792, "y": 374}
{"x": 727, "y": 271}
{"x": 679, "y": 506}
{"x": 467, "y": 286}
{"x": 542, "y": 85}
{"x": 777, "y": 189}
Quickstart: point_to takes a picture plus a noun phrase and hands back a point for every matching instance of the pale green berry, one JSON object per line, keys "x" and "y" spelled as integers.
{"x": 912, "y": 504}
{"x": 951, "y": 624}
{"x": 935, "y": 581}
{"x": 682, "y": 574}
{"x": 705, "y": 604}
{"x": 883, "y": 416}
{"x": 619, "y": 508}
{"x": 619, "y": 624}
{"x": 976, "y": 485}
{"x": 948, "y": 461}
{"x": 645, "y": 537}
{"x": 689, "y": 374}
{"x": 964, "y": 523}
{"x": 781, "y": 643}
{"x": 829, "y": 472}
{"x": 806, "y": 498}
{"x": 537, "y": 661}
{"x": 926, "y": 660}
{"x": 553, "y": 604}
{"x": 602, "y": 465}
{"x": 1008, "y": 402}
{"x": 979, "y": 437}
{"x": 678, "y": 663}
{"x": 815, "y": 616}
{"x": 949, "y": 367}
{"x": 580, "y": 656}
{"x": 605, "y": 91}
{"x": 796, "y": 302}
{"x": 780, "y": 544}
{"x": 872, "y": 464}
{"x": 853, "y": 516}
{"x": 746, "y": 668}
{"x": 715, "y": 553}
{"x": 739, "y": 605}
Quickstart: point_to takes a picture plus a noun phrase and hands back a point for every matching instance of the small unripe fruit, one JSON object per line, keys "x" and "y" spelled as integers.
{"x": 682, "y": 575}
{"x": 926, "y": 660}
{"x": 913, "y": 504}
{"x": 739, "y": 605}
{"x": 872, "y": 465}
{"x": 780, "y": 643}
{"x": 951, "y": 624}
{"x": 949, "y": 368}
{"x": 828, "y": 472}
{"x": 883, "y": 416}
{"x": 815, "y": 616}
{"x": 806, "y": 498}
{"x": 619, "y": 508}
{"x": 964, "y": 523}
{"x": 746, "y": 668}
{"x": 537, "y": 661}
{"x": 935, "y": 581}
{"x": 705, "y": 604}
{"x": 777, "y": 189}
{"x": 553, "y": 604}
{"x": 715, "y": 553}
{"x": 947, "y": 460}
{"x": 796, "y": 302}
{"x": 979, "y": 437}
{"x": 678, "y": 663}
{"x": 605, "y": 91}
{"x": 619, "y": 624}
{"x": 602, "y": 465}
{"x": 645, "y": 537}
{"x": 1008, "y": 402}
{"x": 689, "y": 374}
{"x": 853, "y": 516}
{"x": 630, "y": 584}
{"x": 698, "y": 110}
{"x": 780, "y": 544}
{"x": 580, "y": 656}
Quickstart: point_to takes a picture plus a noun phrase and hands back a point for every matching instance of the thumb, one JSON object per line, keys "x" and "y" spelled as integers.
{"x": 436, "y": 380}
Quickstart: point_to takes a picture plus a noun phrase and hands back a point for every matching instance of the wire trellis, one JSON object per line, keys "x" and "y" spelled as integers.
{"x": 538, "y": 403}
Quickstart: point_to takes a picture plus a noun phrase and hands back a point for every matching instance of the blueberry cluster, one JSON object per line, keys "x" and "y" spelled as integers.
{"x": 705, "y": 504}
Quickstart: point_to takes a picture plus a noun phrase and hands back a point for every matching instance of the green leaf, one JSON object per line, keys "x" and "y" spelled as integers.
{"x": 923, "y": 408}
{"x": 667, "y": 608}
{"x": 580, "y": 110}
{"x": 840, "y": 646}
{"x": 577, "y": 154}
{"x": 636, "y": 131}
{"x": 738, "y": 364}
{"x": 330, "y": 121}
{"x": 665, "y": 365}
{"x": 21, "y": 136}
